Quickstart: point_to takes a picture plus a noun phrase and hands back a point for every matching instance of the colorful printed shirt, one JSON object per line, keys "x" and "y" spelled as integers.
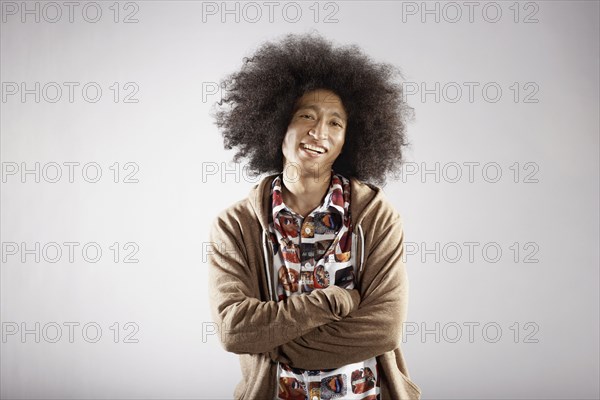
{"x": 312, "y": 253}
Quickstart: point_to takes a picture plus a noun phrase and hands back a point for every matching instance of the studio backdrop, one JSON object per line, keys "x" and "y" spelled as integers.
{"x": 112, "y": 170}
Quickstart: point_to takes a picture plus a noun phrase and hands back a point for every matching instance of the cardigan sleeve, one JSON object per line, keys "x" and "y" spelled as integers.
{"x": 245, "y": 323}
{"x": 372, "y": 329}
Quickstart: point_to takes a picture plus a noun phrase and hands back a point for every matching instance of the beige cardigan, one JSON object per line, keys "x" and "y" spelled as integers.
{"x": 325, "y": 329}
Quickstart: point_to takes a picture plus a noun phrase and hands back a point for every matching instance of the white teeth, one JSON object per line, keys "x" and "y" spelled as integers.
{"x": 314, "y": 148}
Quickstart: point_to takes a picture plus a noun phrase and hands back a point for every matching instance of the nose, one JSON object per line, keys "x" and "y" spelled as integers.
{"x": 319, "y": 131}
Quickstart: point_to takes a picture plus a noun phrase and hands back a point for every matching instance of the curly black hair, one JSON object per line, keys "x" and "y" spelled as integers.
{"x": 258, "y": 100}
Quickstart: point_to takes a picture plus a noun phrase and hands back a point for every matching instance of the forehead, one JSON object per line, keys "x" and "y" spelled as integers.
{"x": 321, "y": 99}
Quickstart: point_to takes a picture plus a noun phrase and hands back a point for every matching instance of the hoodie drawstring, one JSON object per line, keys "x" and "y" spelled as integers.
{"x": 362, "y": 249}
{"x": 266, "y": 259}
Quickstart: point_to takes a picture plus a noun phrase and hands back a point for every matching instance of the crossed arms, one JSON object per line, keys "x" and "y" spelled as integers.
{"x": 327, "y": 328}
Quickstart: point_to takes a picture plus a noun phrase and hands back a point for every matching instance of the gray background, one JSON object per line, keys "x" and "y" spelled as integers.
{"x": 534, "y": 313}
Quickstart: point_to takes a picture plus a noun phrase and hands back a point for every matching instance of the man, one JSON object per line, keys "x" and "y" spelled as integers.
{"x": 307, "y": 282}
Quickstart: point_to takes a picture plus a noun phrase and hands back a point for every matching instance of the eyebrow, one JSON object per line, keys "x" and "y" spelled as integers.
{"x": 316, "y": 109}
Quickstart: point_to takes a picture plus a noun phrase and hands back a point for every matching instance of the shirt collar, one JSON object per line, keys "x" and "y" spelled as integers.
{"x": 337, "y": 198}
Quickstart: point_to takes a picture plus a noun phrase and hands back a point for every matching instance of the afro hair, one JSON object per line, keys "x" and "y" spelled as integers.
{"x": 258, "y": 101}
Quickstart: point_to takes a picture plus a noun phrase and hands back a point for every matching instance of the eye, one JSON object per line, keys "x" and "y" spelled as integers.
{"x": 306, "y": 116}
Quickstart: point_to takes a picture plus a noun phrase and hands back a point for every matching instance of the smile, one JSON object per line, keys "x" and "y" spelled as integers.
{"x": 313, "y": 149}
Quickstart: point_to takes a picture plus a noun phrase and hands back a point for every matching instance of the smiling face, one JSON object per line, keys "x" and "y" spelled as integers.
{"x": 316, "y": 133}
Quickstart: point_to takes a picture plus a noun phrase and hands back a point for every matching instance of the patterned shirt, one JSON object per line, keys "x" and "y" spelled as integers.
{"x": 312, "y": 253}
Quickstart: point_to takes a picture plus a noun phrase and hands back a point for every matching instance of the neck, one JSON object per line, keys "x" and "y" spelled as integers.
{"x": 305, "y": 193}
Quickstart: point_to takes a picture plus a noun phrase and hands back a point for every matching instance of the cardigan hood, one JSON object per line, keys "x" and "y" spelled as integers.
{"x": 364, "y": 196}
